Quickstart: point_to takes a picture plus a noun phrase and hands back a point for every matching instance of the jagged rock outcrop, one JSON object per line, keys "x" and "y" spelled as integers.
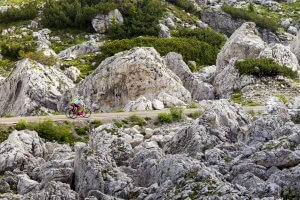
{"x": 140, "y": 104}
{"x": 20, "y": 149}
{"x": 102, "y": 23}
{"x": 295, "y": 46}
{"x": 32, "y": 88}
{"x": 79, "y": 50}
{"x": 164, "y": 31}
{"x": 72, "y": 73}
{"x": 199, "y": 89}
{"x": 127, "y": 76}
{"x": 43, "y": 43}
{"x": 282, "y": 55}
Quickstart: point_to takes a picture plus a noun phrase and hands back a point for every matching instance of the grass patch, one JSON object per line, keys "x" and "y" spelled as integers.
{"x": 119, "y": 111}
{"x": 282, "y": 98}
{"x": 137, "y": 120}
{"x": 6, "y": 66}
{"x": 193, "y": 105}
{"x": 195, "y": 115}
{"x": 254, "y": 113}
{"x": 4, "y": 133}
{"x": 237, "y": 97}
{"x": 246, "y": 14}
{"x": 81, "y": 130}
{"x": 177, "y": 113}
{"x": 39, "y": 57}
{"x": 164, "y": 118}
{"x": 96, "y": 123}
{"x": 264, "y": 67}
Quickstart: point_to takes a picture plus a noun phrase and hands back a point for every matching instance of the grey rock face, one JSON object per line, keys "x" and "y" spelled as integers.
{"x": 20, "y": 149}
{"x": 199, "y": 89}
{"x": 164, "y": 31}
{"x": 127, "y": 76}
{"x": 243, "y": 43}
{"x": 72, "y": 73}
{"x": 281, "y": 54}
{"x": 295, "y": 46}
{"x": 102, "y": 23}
{"x": 140, "y": 104}
{"x": 32, "y": 88}
{"x": 25, "y": 184}
{"x": 79, "y": 50}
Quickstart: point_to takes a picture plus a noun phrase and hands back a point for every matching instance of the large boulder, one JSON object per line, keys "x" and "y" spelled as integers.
{"x": 20, "y": 149}
{"x": 295, "y": 46}
{"x": 127, "y": 76}
{"x": 243, "y": 43}
{"x": 281, "y": 54}
{"x": 199, "y": 89}
{"x": 140, "y": 104}
{"x": 79, "y": 50}
{"x": 32, "y": 88}
{"x": 102, "y": 23}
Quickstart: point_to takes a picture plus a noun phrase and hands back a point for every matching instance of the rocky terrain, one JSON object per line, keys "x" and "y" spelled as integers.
{"x": 213, "y": 55}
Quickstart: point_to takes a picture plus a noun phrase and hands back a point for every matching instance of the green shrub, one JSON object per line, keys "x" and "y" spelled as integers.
{"x": 237, "y": 97}
{"x": 263, "y": 67}
{"x": 96, "y": 123}
{"x": 163, "y": 118}
{"x": 75, "y": 14}
{"x": 187, "y": 5}
{"x": 207, "y": 35}
{"x": 137, "y": 120}
{"x": 39, "y": 57}
{"x": 13, "y": 47}
{"x": 4, "y": 133}
{"x": 193, "y": 105}
{"x": 26, "y": 12}
{"x": 50, "y": 131}
{"x": 6, "y": 66}
{"x": 189, "y": 48}
{"x": 195, "y": 115}
{"x": 177, "y": 113}
{"x": 81, "y": 130}
{"x": 141, "y": 17}
{"x": 261, "y": 21}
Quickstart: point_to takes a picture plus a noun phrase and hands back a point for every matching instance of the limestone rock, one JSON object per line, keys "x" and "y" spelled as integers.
{"x": 102, "y": 23}
{"x": 72, "y": 73}
{"x": 25, "y": 184}
{"x": 281, "y": 54}
{"x": 164, "y": 31}
{"x": 295, "y": 46}
{"x": 79, "y": 50}
{"x": 125, "y": 77}
{"x": 157, "y": 105}
{"x": 20, "y": 149}
{"x": 199, "y": 89}
{"x": 169, "y": 101}
{"x": 243, "y": 43}
{"x": 32, "y": 88}
{"x": 140, "y": 104}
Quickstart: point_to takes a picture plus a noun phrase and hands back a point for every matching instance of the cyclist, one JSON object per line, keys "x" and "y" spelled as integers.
{"x": 78, "y": 104}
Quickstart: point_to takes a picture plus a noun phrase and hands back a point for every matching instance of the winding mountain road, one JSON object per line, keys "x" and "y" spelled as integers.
{"x": 104, "y": 117}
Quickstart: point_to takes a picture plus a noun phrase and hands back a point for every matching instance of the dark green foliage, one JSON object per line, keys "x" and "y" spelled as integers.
{"x": 163, "y": 118}
{"x": 195, "y": 115}
{"x": 82, "y": 130}
{"x": 4, "y": 133}
{"x": 6, "y": 66}
{"x": 207, "y": 35}
{"x": 251, "y": 7}
{"x": 261, "y": 21}
{"x": 13, "y": 47}
{"x": 137, "y": 120}
{"x": 177, "y": 113}
{"x": 189, "y": 48}
{"x": 26, "y": 12}
{"x": 74, "y": 14}
{"x": 187, "y": 5}
{"x": 51, "y": 131}
{"x": 96, "y": 123}
{"x": 39, "y": 57}
{"x": 140, "y": 18}
{"x": 263, "y": 67}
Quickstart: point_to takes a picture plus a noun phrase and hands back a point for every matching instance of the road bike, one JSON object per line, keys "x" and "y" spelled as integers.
{"x": 73, "y": 112}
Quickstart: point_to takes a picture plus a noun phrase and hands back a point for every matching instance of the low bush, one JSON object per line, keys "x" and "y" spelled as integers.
{"x": 26, "y": 12}
{"x": 81, "y": 130}
{"x": 187, "y": 5}
{"x": 39, "y": 57}
{"x": 261, "y": 21}
{"x": 4, "y": 133}
{"x": 282, "y": 98}
{"x": 50, "y": 131}
{"x": 195, "y": 115}
{"x": 177, "y": 113}
{"x": 96, "y": 123}
{"x": 137, "y": 120}
{"x": 264, "y": 67}
{"x": 193, "y": 105}
{"x": 190, "y": 48}
{"x": 6, "y": 66}
{"x": 163, "y": 118}
{"x": 207, "y": 35}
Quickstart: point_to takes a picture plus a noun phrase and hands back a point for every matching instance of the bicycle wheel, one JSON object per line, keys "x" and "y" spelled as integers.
{"x": 87, "y": 113}
{"x": 72, "y": 114}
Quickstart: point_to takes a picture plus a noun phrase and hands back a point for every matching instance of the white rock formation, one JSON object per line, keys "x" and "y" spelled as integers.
{"x": 102, "y": 23}
{"x": 127, "y": 76}
{"x": 72, "y": 73}
{"x": 32, "y": 88}
{"x": 295, "y": 46}
{"x": 157, "y": 105}
{"x": 140, "y": 104}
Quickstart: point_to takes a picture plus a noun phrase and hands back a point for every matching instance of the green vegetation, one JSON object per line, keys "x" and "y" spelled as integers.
{"x": 81, "y": 130}
{"x": 177, "y": 113}
{"x": 187, "y": 5}
{"x": 193, "y": 105}
{"x": 182, "y": 15}
{"x": 4, "y": 133}
{"x": 119, "y": 110}
{"x": 190, "y": 48}
{"x": 195, "y": 115}
{"x": 163, "y": 118}
{"x": 96, "y": 123}
{"x": 242, "y": 13}
{"x": 282, "y": 98}
{"x": 51, "y": 131}
{"x": 25, "y": 12}
{"x": 237, "y": 97}
{"x": 137, "y": 120}
{"x": 263, "y": 67}
{"x": 254, "y": 113}
{"x": 141, "y": 17}
{"x": 74, "y": 14}
{"x": 6, "y": 66}
{"x": 39, "y": 57}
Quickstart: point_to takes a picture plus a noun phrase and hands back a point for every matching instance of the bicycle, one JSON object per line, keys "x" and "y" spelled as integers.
{"x": 73, "y": 112}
